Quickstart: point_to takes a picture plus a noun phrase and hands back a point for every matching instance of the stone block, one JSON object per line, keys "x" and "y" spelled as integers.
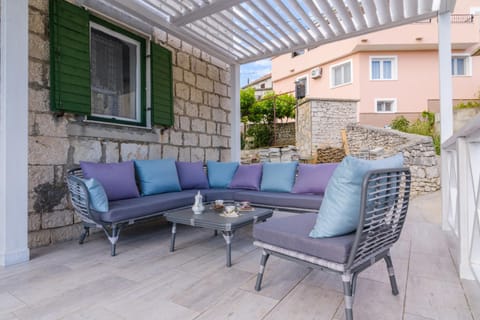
{"x": 183, "y": 60}
{"x": 225, "y": 103}
{"x": 189, "y": 77}
{"x": 37, "y": 22}
{"x": 111, "y": 152}
{"x": 205, "y": 56}
{"x": 197, "y": 154}
{"x": 205, "y": 140}
{"x": 204, "y": 83}
{"x": 219, "y": 115}
{"x": 212, "y": 154}
{"x": 47, "y": 150}
{"x": 220, "y": 89}
{"x": 205, "y": 112}
{"x": 39, "y": 175}
{"x": 225, "y": 77}
{"x": 225, "y": 155}
{"x": 432, "y": 172}
{"x": 48, "y": 125}
{"x": 38, "y": 100}
{"x": 184, "y": 154}
{"x": 41, "y": 5}
{"x": 36, "y": 73}
{"x": 57, "y": 219}
{"x": 38, "y": 47}
{"x": 196, "y": 95}
{"x": 211, "y": 127}
{"x": 191, "y": 109}
{"x": 66, "y": 233}
{"x": 197, "y": 53}
{"x": 185, "y": 123}
{"x": 218, "y": 141}
{"x": 174, "y": 41}
{"x": 190, "y": 139}
{"x": 170, "y": 152}
{"x": 225, "y": 130}
{"x": 182, "y": 91}
{"x": 86, "y": 150}
{"x": 199, "y": 67}
{"x": 198, "y": 125}
{"x": 187, "y": 48}
{"x": 39, "y": 238}
{"x": 133, "y": 151}
{"x": 213, "y": 100}
{"x": 62, "y": 204}
{"x": 213, "y": 72}
{"x": 34, "y": 222}
{"x": 159, "y": 35}
{"x": 179, "y": 106}
{"x": 176, "y": 138}
{"x": 177, "y": 74}
{"x": 155, "y": 151}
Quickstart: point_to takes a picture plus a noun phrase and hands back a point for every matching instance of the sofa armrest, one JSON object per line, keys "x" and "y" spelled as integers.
{"x": 79, "y": 195}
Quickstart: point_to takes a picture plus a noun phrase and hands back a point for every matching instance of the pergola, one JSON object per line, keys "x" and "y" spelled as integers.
{"x": 233, "y": 31}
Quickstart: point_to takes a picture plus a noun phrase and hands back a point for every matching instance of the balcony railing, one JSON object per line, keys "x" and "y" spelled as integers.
{"x": 455, "y": 19}
{"x": 461, "y": 196}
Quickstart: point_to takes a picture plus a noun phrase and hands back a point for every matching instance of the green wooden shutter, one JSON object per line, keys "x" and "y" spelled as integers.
{"x": 69, "y": 58}
{"x": 162, "y": 85}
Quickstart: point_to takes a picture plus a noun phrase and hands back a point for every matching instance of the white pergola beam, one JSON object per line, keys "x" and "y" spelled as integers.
{"x": 14, "y": 132}
{"x": 205, "y": 11}
{"x": 357, "y": 15}
{"x": 324, "y": 26}
{"x": 302, "y": 31}
{"x": 313, "y": 28}
{"x": 344, "y": 15}
{"x": 332, "y": 18}
{"x": 235, "y": 117}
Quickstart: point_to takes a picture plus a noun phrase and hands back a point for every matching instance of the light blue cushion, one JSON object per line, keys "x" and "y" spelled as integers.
{"x": 98, "y": 196}
{"x": 278, "y": 176}
{"x": 340, "y": 209}
{"x": 157, "y": 176}
{"x": 220, "y": 174}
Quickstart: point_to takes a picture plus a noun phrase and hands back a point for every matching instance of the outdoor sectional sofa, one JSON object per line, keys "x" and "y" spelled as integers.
{"x": 137, "y": 190}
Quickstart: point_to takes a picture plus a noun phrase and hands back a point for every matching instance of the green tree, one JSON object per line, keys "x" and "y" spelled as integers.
{"x": 247, "y": 99}
{"x": 264, "y": 111}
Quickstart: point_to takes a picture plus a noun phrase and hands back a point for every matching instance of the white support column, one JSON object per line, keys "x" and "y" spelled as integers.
{"x": 235, "y": 116}
{"x": 14, "y": 132}
{"x": 446, "y": 112}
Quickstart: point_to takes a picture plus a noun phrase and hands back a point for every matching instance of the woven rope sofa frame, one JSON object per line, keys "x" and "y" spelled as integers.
{"x": 384, "y": 205}
{"x": 81, "y": 203}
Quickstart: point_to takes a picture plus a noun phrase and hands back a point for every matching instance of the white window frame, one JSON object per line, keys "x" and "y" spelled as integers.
{"x": 468, "y": 65}
{"x": 394, "y": 60}
{"x": 332, "y": 82}
{"x": 394, "y": 104}
{"x": 138, "y": 104}
{"x": 305, "y": 76}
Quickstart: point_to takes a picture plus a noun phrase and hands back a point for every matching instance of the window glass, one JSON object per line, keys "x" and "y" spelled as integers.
{"x": 385, "y": 106}
{"x": 383, "y": 68}
{"x": 114, "y": 63}
{"x": 342, "y": 74}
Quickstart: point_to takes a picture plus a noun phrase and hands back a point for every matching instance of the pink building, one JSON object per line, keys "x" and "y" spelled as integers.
{"x": 391, "y": 72}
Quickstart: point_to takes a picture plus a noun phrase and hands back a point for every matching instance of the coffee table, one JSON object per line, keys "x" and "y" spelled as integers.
{"x": 212, "y": 219}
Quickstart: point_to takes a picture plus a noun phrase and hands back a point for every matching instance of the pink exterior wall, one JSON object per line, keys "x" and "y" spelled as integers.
{"x": 415, "y": 47}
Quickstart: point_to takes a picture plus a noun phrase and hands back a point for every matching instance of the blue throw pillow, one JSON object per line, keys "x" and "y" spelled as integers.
{"x": 278, "y": 176}
{"x": 98, "y": 196}
{"x": 220, "y": 174}
{"x": 157, "y": 176}
{"x": 340, "y": 209}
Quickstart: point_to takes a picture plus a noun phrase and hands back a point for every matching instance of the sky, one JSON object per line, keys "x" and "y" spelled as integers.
{"x": 254, "y": 70}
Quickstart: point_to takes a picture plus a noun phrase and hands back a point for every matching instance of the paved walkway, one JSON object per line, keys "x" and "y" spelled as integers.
{"x": 146, "y": 281}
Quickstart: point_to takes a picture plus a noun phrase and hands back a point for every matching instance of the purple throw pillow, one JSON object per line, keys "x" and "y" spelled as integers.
{"x": 192, "y": 175}
{"x": 313, "y": 178}
{"x": 247, "y": 177}
{"x": 118, "y": 179}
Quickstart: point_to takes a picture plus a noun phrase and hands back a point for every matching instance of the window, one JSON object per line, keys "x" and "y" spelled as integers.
{"x": 100, "y": 70}
{"x": 341, "y": 74}
{"x": 298, "y": 53}
{"x": 383, "y": 68}
{"x": 301, "y": 87}
{"x": 385, "y": 105}
{"x": 461, "y": 66}
{"x": 262, "y": 86}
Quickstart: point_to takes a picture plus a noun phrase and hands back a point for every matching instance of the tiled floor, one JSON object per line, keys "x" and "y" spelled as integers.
{"x": 146, "y": 281}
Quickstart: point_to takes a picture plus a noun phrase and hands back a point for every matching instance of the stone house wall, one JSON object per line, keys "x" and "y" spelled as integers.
{"x": 285, "y": 134}
{"x": 320, "y": 122}
{"x": 418, "y": 151}
{"x": 201, "y": 129}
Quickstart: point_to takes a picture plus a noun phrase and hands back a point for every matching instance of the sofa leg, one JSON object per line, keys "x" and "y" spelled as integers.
{"x": 84, "y": 235}
{"x": 348, "y": 295}
{"x": 113, "y": 238}
{"x": 263, "y": 262}
{"x": 391, "y": 274}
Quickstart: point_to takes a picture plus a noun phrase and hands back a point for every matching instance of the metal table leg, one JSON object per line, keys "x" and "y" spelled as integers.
{"x": 172, "y": 239}
{"x": 228, "y": 236}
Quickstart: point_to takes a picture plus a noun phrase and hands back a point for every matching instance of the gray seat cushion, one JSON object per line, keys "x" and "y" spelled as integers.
{"x": 292, "y": 233}
{"x": 210, "y": 195}
{"x": 280, "y": 199}
{"x": 127, "y": 209}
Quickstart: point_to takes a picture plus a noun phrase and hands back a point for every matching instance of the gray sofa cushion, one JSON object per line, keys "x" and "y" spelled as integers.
{"x": 210, "y": 195}
{"x": 280, "y": 199}
{"x": 126, "y": 209}
{"x": 292, "y": 233}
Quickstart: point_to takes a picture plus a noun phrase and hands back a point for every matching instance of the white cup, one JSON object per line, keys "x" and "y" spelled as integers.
{"x": 229, "y": 209}
{"x": 219, "y": 202}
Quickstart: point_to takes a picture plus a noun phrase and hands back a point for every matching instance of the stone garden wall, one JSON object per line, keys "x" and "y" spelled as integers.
{"x": 418, "y": 151}
{"x": 320, "y": 122}
{"x": 201, "y": 130}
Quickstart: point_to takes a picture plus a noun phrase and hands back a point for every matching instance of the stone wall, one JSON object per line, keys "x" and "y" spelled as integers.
{"x": 285, "y": 134}
{"x": 418, "y": 151}
{"x": 320, "y": 122}
{"x": 201, "y": 129}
